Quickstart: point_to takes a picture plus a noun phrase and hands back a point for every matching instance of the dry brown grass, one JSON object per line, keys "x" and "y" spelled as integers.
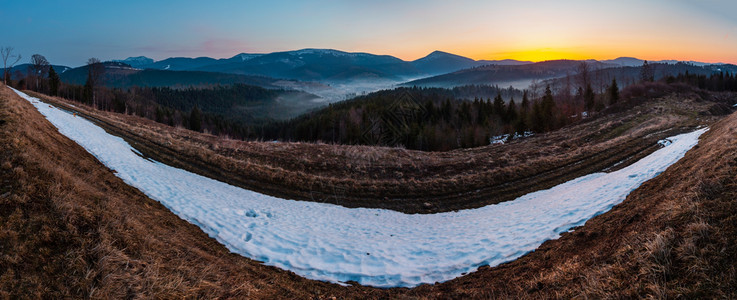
{"x": 676, "y": 252}
{"x": 70, "y": 229}
{"x": 407, "y": 180}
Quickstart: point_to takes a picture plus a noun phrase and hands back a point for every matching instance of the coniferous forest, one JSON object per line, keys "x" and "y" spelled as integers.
{"x": 429, "y": 119}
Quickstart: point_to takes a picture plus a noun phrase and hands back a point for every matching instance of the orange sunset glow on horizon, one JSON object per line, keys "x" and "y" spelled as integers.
{"x": 537, "y": 31}
{"x": 490, "y": 30}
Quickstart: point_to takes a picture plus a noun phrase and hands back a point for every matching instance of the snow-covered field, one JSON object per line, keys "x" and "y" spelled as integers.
{"x": 371, "y": 246}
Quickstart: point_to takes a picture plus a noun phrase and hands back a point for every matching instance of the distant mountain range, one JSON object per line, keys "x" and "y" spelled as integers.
{"x": 324, "y": 65}
{"x": 121, "y": 75}
{"x": 136, "y": 62}
{"x": 518, "y": 75}
{"x": 335, "y": 74}
{"x": 23, "y": 69}
{"x": 521, "y": 76}
{"x": 601, "y": 78}
{"x": 635, "y": 62}
{"x": 339, "y": 67}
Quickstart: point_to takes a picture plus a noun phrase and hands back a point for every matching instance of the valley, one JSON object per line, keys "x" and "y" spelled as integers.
{"x": 277, "y": 227}
{"x": 368, "y": 150}
{"x": 406, "y": 180}
{"x": 469, "y": 281}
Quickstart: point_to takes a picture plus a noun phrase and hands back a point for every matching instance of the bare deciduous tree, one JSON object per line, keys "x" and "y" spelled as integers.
{"x": 6, "y": 53}
{"x": 534, "y": 89}
{"x": 39, "y": 66}
{"x": 584, "y": 76}
{"x": 95, "y": 70}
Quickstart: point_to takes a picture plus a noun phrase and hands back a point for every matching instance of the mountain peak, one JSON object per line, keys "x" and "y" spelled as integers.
{"x": 437, "y": 54}
{"x": 332, "y": 52}
{"x": 245, "y": 56}
{"x": 439, "y": 62}
{"x": 135, "y": 61}
{"x": 138, "y": 58}
{"x": 625, "y": 61}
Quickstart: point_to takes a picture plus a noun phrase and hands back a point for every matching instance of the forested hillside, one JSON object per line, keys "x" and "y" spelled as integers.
{"x": 430, "y": 119}
{"x": 417, "y": 118}
{"x": 435, "y": 119}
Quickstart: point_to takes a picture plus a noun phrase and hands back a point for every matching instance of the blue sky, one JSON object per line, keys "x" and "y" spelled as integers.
{"x": 69, "y": 32}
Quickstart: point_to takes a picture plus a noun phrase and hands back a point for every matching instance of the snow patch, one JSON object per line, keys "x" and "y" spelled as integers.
{"x": 374, "y": 247}
{"x": 501, "y": 139}
{"x": 246, "y": 56}
{"x": 525, "y": 134}
{"x": 331, "y": 52}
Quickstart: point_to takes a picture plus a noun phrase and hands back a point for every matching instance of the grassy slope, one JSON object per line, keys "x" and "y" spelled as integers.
{"x": 71, "y": 228}
{"x": 672, "y": 237}
{"x": 406, "y": 180}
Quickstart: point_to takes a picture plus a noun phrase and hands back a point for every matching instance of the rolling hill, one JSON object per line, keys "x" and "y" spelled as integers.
{"x": 515, "y": 75}
{"x": 520, "y": 76}
{"x": 636, "y": 62}
{"x": 23, "y": 69}
{"x": 119, "y": 75}
{"x": 439, "y": 62}
{"x": 325, "y": 65}
{"x": 136, "y": 61}
{"x": 601, "y": 78}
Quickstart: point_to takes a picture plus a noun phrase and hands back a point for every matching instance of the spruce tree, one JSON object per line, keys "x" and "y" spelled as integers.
{"x": 613, "y": 92}
{"x": 53, "y": 82}
{"x": 499, "y": 105}
{"x": 589, "y": 98}
{"x": 481, "y": 116}
{"x": 646, "y": 72}
{"x": 523, "y": 118}
{"x": 195, "y": 119}
{"x": 537, "y": 117}
{"x": 511, "y": 114}
{"x": 447, "y": 110}
{"x": 525, "y": 106}
{"x": 548, "y": 109}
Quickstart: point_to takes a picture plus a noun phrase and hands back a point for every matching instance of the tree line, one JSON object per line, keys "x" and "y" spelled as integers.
{"x": 718, "y": 82}
{"x": 429, "y": 119}
{"x": 212, "y": 109}
{"x": 423, "y": 119}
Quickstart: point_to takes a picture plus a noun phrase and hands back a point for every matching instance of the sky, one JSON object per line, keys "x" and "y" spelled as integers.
{"x": 70, "y": 32}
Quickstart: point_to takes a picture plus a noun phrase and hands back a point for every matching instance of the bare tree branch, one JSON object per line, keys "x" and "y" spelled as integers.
{"x": 39, "y": 66}
{"x": 584, "y": 76}
{"x": 6, "y": 53}
{"x": 95, "y": 70}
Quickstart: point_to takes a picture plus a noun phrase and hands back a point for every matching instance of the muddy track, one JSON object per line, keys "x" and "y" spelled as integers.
{"x": 511, "y": 188}
{"x": 421, "y": 197}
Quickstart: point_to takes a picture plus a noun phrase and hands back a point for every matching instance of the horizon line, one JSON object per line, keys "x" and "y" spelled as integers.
{"x": 410, "y": 60}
